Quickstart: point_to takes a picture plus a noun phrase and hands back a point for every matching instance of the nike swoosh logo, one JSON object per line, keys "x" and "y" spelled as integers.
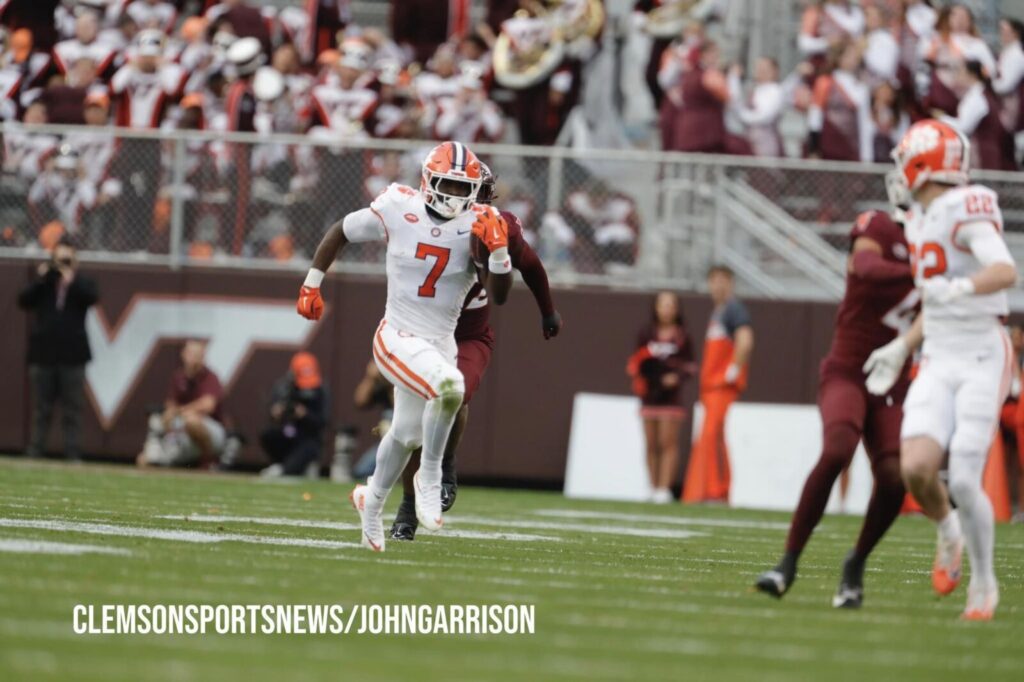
{"x": 374, "y": 545}
{"x": 463, "y": 231}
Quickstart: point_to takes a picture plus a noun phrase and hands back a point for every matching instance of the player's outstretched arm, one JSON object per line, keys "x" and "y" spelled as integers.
{"x": 529, "y": 265}
{"x": 363, "y": 225}
{"x": 867, "y": 262}
{"x": 490, "y": 228}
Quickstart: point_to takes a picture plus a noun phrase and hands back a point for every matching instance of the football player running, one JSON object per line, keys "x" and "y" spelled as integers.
{"x": 963, "y": 269}
{"x": 475, "y": 339}
{"x": 429, "y": 271}
{"x": 879, "y": 303}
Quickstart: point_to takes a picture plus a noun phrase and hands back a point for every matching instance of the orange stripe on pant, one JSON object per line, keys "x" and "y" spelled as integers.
{"x": 383, "y": 361}
{"x": 708, "y": 475}
{"x": 401, "y": 365}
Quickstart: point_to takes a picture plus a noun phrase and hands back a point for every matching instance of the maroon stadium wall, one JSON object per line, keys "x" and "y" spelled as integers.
{"x": 521, "y": 417}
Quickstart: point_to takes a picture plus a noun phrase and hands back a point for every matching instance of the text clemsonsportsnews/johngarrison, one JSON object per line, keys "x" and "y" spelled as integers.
{"x": 303, "y": 619}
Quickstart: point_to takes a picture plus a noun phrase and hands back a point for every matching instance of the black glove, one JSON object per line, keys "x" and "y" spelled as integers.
{"x": 551, "y": 324}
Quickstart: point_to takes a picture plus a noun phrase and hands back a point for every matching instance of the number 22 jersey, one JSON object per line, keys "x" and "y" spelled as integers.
{"x": 938, "y": 239}
{"x": 429, "y": 268}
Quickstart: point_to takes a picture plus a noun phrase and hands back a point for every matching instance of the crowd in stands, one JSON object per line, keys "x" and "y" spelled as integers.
{"x": 869, "y": 69}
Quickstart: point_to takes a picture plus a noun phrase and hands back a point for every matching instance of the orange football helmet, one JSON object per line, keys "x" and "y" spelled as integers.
{"x": 932, "y": 151}
{"x": 451, "y": 179}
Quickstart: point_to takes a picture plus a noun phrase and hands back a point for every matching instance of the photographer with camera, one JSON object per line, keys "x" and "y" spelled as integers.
{"x": 58, "y": 347}
{"x": 298, "y": 414}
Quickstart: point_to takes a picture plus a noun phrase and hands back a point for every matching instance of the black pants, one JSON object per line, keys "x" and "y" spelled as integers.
{"x": 52, "y": 384}
{"x": 294, "y": 454}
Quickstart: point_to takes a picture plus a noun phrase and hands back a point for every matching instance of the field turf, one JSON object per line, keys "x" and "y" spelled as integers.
{"x": 622, "y": 591}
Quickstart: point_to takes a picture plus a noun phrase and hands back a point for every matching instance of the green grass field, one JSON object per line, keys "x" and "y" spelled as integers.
{"x": 622, "y": 591}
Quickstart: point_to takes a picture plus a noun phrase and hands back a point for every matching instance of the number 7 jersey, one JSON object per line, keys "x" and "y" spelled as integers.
{"x": 938, "y": 250}
{"x": 429, "y": 267}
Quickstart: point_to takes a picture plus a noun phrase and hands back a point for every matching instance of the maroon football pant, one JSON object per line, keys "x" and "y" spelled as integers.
{"x": 849, "y": 413}
{"x": 473, "y": 358}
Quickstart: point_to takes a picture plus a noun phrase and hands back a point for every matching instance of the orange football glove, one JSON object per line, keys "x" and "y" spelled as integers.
{"x": 310, "y": 305}
{"x": 490, "y": 228}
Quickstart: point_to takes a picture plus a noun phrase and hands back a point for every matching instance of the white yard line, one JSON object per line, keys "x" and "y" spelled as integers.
{"x": 660, "y": 518}
{"x": 663, "y": 533}
{"x": 448, "y": 532}
{"x": 168, "y": 534}
{"x": 29, "y": 546}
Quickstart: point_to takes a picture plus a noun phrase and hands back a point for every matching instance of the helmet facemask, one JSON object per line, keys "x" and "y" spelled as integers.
{"x": 449, "y": 195}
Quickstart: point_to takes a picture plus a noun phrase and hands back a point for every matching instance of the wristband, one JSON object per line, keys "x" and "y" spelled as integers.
{"x": 499, "y": 263}
{"x": 314, "y": 278}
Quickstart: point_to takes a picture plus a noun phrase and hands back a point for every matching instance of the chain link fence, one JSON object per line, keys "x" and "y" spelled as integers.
{"x": 620, "y": 218}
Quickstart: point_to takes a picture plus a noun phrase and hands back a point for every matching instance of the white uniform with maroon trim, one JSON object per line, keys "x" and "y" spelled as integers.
{"x": 964, "y": 375}
{"x": 429, "y": 272}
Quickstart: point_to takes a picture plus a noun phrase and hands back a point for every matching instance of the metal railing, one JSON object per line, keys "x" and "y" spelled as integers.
{"x": 622, "y": 218}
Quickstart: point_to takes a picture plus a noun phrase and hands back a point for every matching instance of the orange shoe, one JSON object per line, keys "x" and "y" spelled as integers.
{"x": 946, "y": 571}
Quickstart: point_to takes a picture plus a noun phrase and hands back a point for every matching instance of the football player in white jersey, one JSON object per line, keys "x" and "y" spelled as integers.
{"x": 430, "y": 270}
{"x": 963, "y": 268}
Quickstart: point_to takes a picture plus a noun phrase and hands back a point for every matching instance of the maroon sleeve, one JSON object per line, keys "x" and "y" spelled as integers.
{"x": 871, "y": 265}
{"x": 527, "y": 262}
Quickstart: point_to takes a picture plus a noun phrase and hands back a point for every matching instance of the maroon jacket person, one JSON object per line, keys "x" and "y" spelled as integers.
{"x": 475, "y": 339}
{"x": 880, "y": 302}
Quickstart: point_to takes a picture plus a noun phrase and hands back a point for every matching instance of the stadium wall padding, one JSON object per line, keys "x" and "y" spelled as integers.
{"x": 520, "y": 418}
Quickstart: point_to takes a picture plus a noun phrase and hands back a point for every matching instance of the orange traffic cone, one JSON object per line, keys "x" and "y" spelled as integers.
{"x": 910, "y": 505}
{"x": 994, "y": 480}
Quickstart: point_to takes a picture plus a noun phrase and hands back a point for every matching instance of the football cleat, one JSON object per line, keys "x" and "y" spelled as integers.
{"x": 428, "y": 504}
{"x": 850, "y": 593}
{"x": 448, "y": 492}
{"x": 981, "y": 603}
{"x": 946, "y": 572}
{"x": 406, "y": 532}
{"x": 774, "y": 582}
{"x": 370, "y": 510}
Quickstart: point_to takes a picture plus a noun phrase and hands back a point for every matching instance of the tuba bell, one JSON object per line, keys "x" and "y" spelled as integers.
{"x": 534, "y": 41}
{"x": 669, "y": 18}
{"x": 527, "y": 51}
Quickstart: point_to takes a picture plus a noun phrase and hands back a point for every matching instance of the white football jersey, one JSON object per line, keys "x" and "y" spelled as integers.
{"x": 936, "y": 251}
{"x": 429, "y": 267}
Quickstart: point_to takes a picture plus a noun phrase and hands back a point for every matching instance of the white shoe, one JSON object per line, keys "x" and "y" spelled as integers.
{"x": 370, "y": 510}
{"x": 428, "y": 504}
{"x": 662, "y": 496}
{"x": 981, "y": 603}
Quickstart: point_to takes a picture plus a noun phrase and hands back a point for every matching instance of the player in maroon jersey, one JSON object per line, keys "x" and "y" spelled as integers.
{"x": 880, "y": 302}
{"x": 475, "y": 339}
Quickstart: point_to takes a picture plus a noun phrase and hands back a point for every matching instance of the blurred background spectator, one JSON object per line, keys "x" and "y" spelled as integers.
{"x": 58, "y": 346}
{"x": 725, "y": 363}
{"x": 661, "y": 364}
{"x": 299, "y": 411}
{"x": 190, "y": 429}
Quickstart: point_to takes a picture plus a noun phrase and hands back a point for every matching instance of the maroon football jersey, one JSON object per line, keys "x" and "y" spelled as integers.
{"x": 474, "y": 320}
{"x": 873, "y": 311}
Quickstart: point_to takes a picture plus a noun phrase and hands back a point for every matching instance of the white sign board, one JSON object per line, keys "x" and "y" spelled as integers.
{"x": 606, "y": 450}
{"x": 772, "y": 449}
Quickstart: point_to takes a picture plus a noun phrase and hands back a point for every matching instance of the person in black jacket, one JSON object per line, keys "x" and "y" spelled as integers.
{"x": 298, "y": 416}
{"x": 58, "y": 347}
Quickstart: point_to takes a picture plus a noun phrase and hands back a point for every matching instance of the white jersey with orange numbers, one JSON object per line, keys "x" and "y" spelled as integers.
{"x": 938, "y": 250}
{"x": 429, "y": 267}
